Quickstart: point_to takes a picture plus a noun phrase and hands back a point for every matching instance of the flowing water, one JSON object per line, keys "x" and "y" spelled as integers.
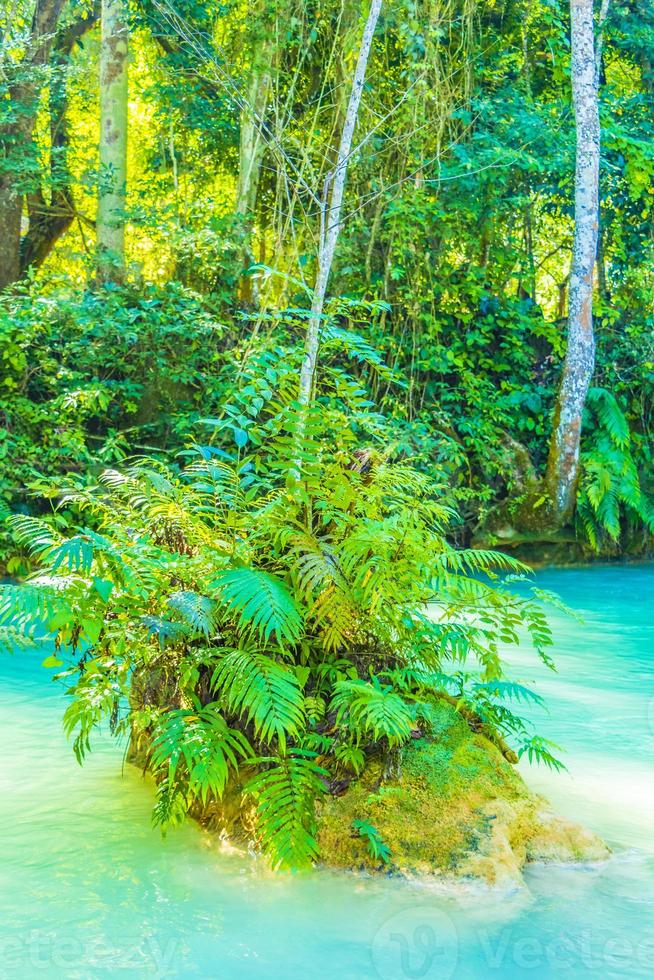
{"x": 89, "y": 890}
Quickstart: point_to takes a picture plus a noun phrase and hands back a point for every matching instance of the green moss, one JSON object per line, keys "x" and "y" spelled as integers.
{"x": 458, "y": 807}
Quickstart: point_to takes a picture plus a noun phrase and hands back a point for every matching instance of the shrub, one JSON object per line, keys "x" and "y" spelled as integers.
{"x": 288, "y": 627}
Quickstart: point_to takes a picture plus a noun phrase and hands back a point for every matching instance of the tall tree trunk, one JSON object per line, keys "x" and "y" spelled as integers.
{"x": 251, "y": 138}
{"x": 332, "y": 203}
{"x": 563, "y": 463}
{"x": 49, "y": 220}
{"x": 24, "y": 84}
{"x": 11, "y": 208}
{"x": 113, "y": 142}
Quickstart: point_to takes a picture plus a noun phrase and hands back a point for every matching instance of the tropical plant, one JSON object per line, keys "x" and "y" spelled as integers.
{"x": 378, "y": 850}
{"x": 610, "y": 495}
{"x": 257, "y": 636}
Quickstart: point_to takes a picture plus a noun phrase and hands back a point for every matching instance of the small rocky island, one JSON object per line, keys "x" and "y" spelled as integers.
{"x": 453, "y": 805}
{"x": 457, "y": 808}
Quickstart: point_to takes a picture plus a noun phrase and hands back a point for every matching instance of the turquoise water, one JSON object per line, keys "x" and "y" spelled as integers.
{"x": 89, "y": 890}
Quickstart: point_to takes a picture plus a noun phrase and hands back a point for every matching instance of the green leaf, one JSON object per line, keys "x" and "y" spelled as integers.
{"x": 286, "y": 795}
{"x": 262, "y": 603}
{"x": 75, "y": 553}
{"x": 372, "y": 709}
{"x": 60, "y": 619}
{"x": 201, "y": 743}
{"x": 197, "y": 611}
{"x": 266, "y": 693}
{"x": 378, "y": 850}
{"x": 92, "y": 628}
{"x": 103, "y": 587}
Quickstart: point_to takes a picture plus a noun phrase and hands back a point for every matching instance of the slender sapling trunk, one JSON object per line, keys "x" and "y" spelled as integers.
{"x": 251, "y": 153}
{"x": 332, "y": 202}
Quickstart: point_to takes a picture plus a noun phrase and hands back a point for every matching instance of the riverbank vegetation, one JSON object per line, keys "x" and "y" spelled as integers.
{"x": 308, "y": 317}
{"x": 232, "y": 621}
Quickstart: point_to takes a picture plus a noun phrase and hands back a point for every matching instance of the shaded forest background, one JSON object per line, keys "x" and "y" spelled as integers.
{"x": 445, "y": 328}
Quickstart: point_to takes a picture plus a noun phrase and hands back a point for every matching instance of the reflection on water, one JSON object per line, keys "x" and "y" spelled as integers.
{"x": 89, "y": 890}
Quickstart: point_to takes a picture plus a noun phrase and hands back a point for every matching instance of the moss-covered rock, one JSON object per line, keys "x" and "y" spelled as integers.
{"x": 457, "y": 809}
{"x": 454, "y": 806}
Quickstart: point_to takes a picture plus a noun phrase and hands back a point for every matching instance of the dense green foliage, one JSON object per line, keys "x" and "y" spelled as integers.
{"x": 258, "y": 630}
{"x": 107, "y": 367}
{"x": 88, "y": 378}
{"x": 457, "y": 221}
{"x": 259, "y": 582}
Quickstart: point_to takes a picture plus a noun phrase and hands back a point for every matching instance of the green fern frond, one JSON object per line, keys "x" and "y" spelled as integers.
{"x": 538, "y": 749}
{"x": 586, "y": 516}
{"x": 477, "y": 560}
{"x": 598, "y": 484}
{"x": 334, "y": 616}
{"x": 33, "y": 533}
{"x": 216, "y": 480}
{"x": 324, "y": 588}
{"x": 32, "y": 603}
{"x": 630, "y": 494}
{"x": 317, "y": 742}
{"x": 198, "y": 612}
{"x": 610, "y": 415}
{"x": 378, "y": 850}
{"x": 315, "y": 709}
{"x": 509, "y": 690}
{"x": 609, "y": 488}
{"x": 411, "y": 680}
{"x": 200, "y": 742}
{"x": 94, "y": 698}
{"x": 261, "y": 601}
{"x": 372, "y": 710}
{"x": 353, "y": 345}
{"x": 350, "y": 756}
{"x": 115, "y": 479}
{"x": 171, "y": 806}
{"x": 608, "y": 514}
{"x": 16, "y": 637}
{"x": 124, "y": 559}
{"x": 164, "y": 629}
{"x": 74, "y": 553}
{"x": 286, "y": 795}
{"x": 263, "y": 691}
{"x": 317, "y": 564}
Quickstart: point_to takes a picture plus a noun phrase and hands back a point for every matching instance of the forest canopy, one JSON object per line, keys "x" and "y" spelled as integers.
{"x": 309, "y": 314}
{"x": 165, "y": 174}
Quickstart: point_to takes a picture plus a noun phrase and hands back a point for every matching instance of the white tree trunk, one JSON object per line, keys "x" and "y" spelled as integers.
{"x": 113, "y": 141}
{"x": 330, "y": 219}
{"x": 250, "y": 156}
{"x": 563, "y": 463}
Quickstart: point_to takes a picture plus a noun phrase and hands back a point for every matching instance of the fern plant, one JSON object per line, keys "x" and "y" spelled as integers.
{"x": 378, "y": 850}
{"x": 610, "y": 497}
{"x": 286, "y": 794}
{"x": 259, "y": 635}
